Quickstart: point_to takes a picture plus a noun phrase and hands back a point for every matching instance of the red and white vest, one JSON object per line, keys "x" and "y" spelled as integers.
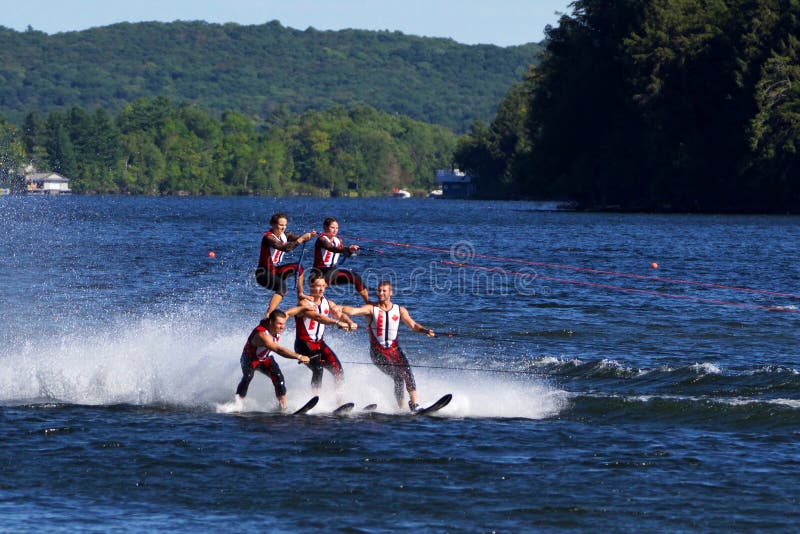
{"x": 271, "y": 257}
{"x": 324, "y": 258}
{"x": 259, "y": 352}
{"x": 309, "y": 329}
{"x": 384, "y": 326}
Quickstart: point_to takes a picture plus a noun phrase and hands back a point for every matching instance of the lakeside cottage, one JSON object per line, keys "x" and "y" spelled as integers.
{"x": 49, "y": 183}
{"x": 454, "y": 183}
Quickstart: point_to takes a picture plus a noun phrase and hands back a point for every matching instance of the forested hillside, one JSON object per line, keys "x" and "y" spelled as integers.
{"x": 669, "y": 105}
{"x": 155, "y": 147}
{"x": 256, "y": 70}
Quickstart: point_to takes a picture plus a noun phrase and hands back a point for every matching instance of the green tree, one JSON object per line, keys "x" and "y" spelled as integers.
{"x": 496, "y": 157}
{"x": 239, "y": 152}
{"x": 12, "y": 154}
{"x": 34, "y": 139}
{"x": 582, "y": 125}
{"x": 61, "y": 154}
{"x": 775, "y": 128}
{"x": 144, "y": 165}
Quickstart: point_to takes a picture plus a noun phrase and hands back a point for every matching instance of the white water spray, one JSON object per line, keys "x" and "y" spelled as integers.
{"x": 184, "y": 359}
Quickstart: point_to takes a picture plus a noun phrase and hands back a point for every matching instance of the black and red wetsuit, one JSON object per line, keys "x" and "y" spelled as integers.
{"x": 386, "y": 353}
{"x": 259, "y": 358}
{"x": 327, "y": 251}
{"x": 309, "y": 342}
{"x": 270, "y": 273}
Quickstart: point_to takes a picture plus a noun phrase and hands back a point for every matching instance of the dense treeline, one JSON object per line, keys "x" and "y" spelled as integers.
{"x": 154, "y": 146}
{"x": 256, "y": 70}
{"x": 689, "y": 105}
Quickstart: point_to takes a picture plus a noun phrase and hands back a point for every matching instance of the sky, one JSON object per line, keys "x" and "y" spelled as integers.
{"x": 499, "y": 22}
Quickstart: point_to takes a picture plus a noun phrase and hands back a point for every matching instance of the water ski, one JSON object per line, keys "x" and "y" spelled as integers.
{"x": 344, "y": 409}
{"x": 307, "y": 406}
{"x": 436, "y": 406}
{"x": 369, "y": 408}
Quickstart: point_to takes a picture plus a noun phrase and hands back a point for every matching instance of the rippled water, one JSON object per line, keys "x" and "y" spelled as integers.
{"x": 591, "y": 390}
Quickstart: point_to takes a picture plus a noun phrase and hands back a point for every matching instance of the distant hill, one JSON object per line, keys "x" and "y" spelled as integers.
{"x": 257, "y": 70}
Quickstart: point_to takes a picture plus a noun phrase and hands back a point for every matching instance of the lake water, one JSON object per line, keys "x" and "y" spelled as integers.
{"x": 591, "y": 390}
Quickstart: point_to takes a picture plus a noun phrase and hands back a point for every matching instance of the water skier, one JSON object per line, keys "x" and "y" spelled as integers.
{"x": 327, "y": 250}
{"x": 310, "y": 330}
{"x": 259, "y": 353}
{"x": 383, "y": 321}
{"x": 274, "y": 244}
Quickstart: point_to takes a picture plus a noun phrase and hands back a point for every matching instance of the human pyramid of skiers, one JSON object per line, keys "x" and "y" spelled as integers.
{"x": 314, "y": 312}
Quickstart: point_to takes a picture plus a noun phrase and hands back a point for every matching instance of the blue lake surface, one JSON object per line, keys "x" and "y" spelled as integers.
{"x": 591, "y": 391}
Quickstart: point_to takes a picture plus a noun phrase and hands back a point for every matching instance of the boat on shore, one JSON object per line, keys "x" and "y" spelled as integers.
{"x": 400, "y": 193}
